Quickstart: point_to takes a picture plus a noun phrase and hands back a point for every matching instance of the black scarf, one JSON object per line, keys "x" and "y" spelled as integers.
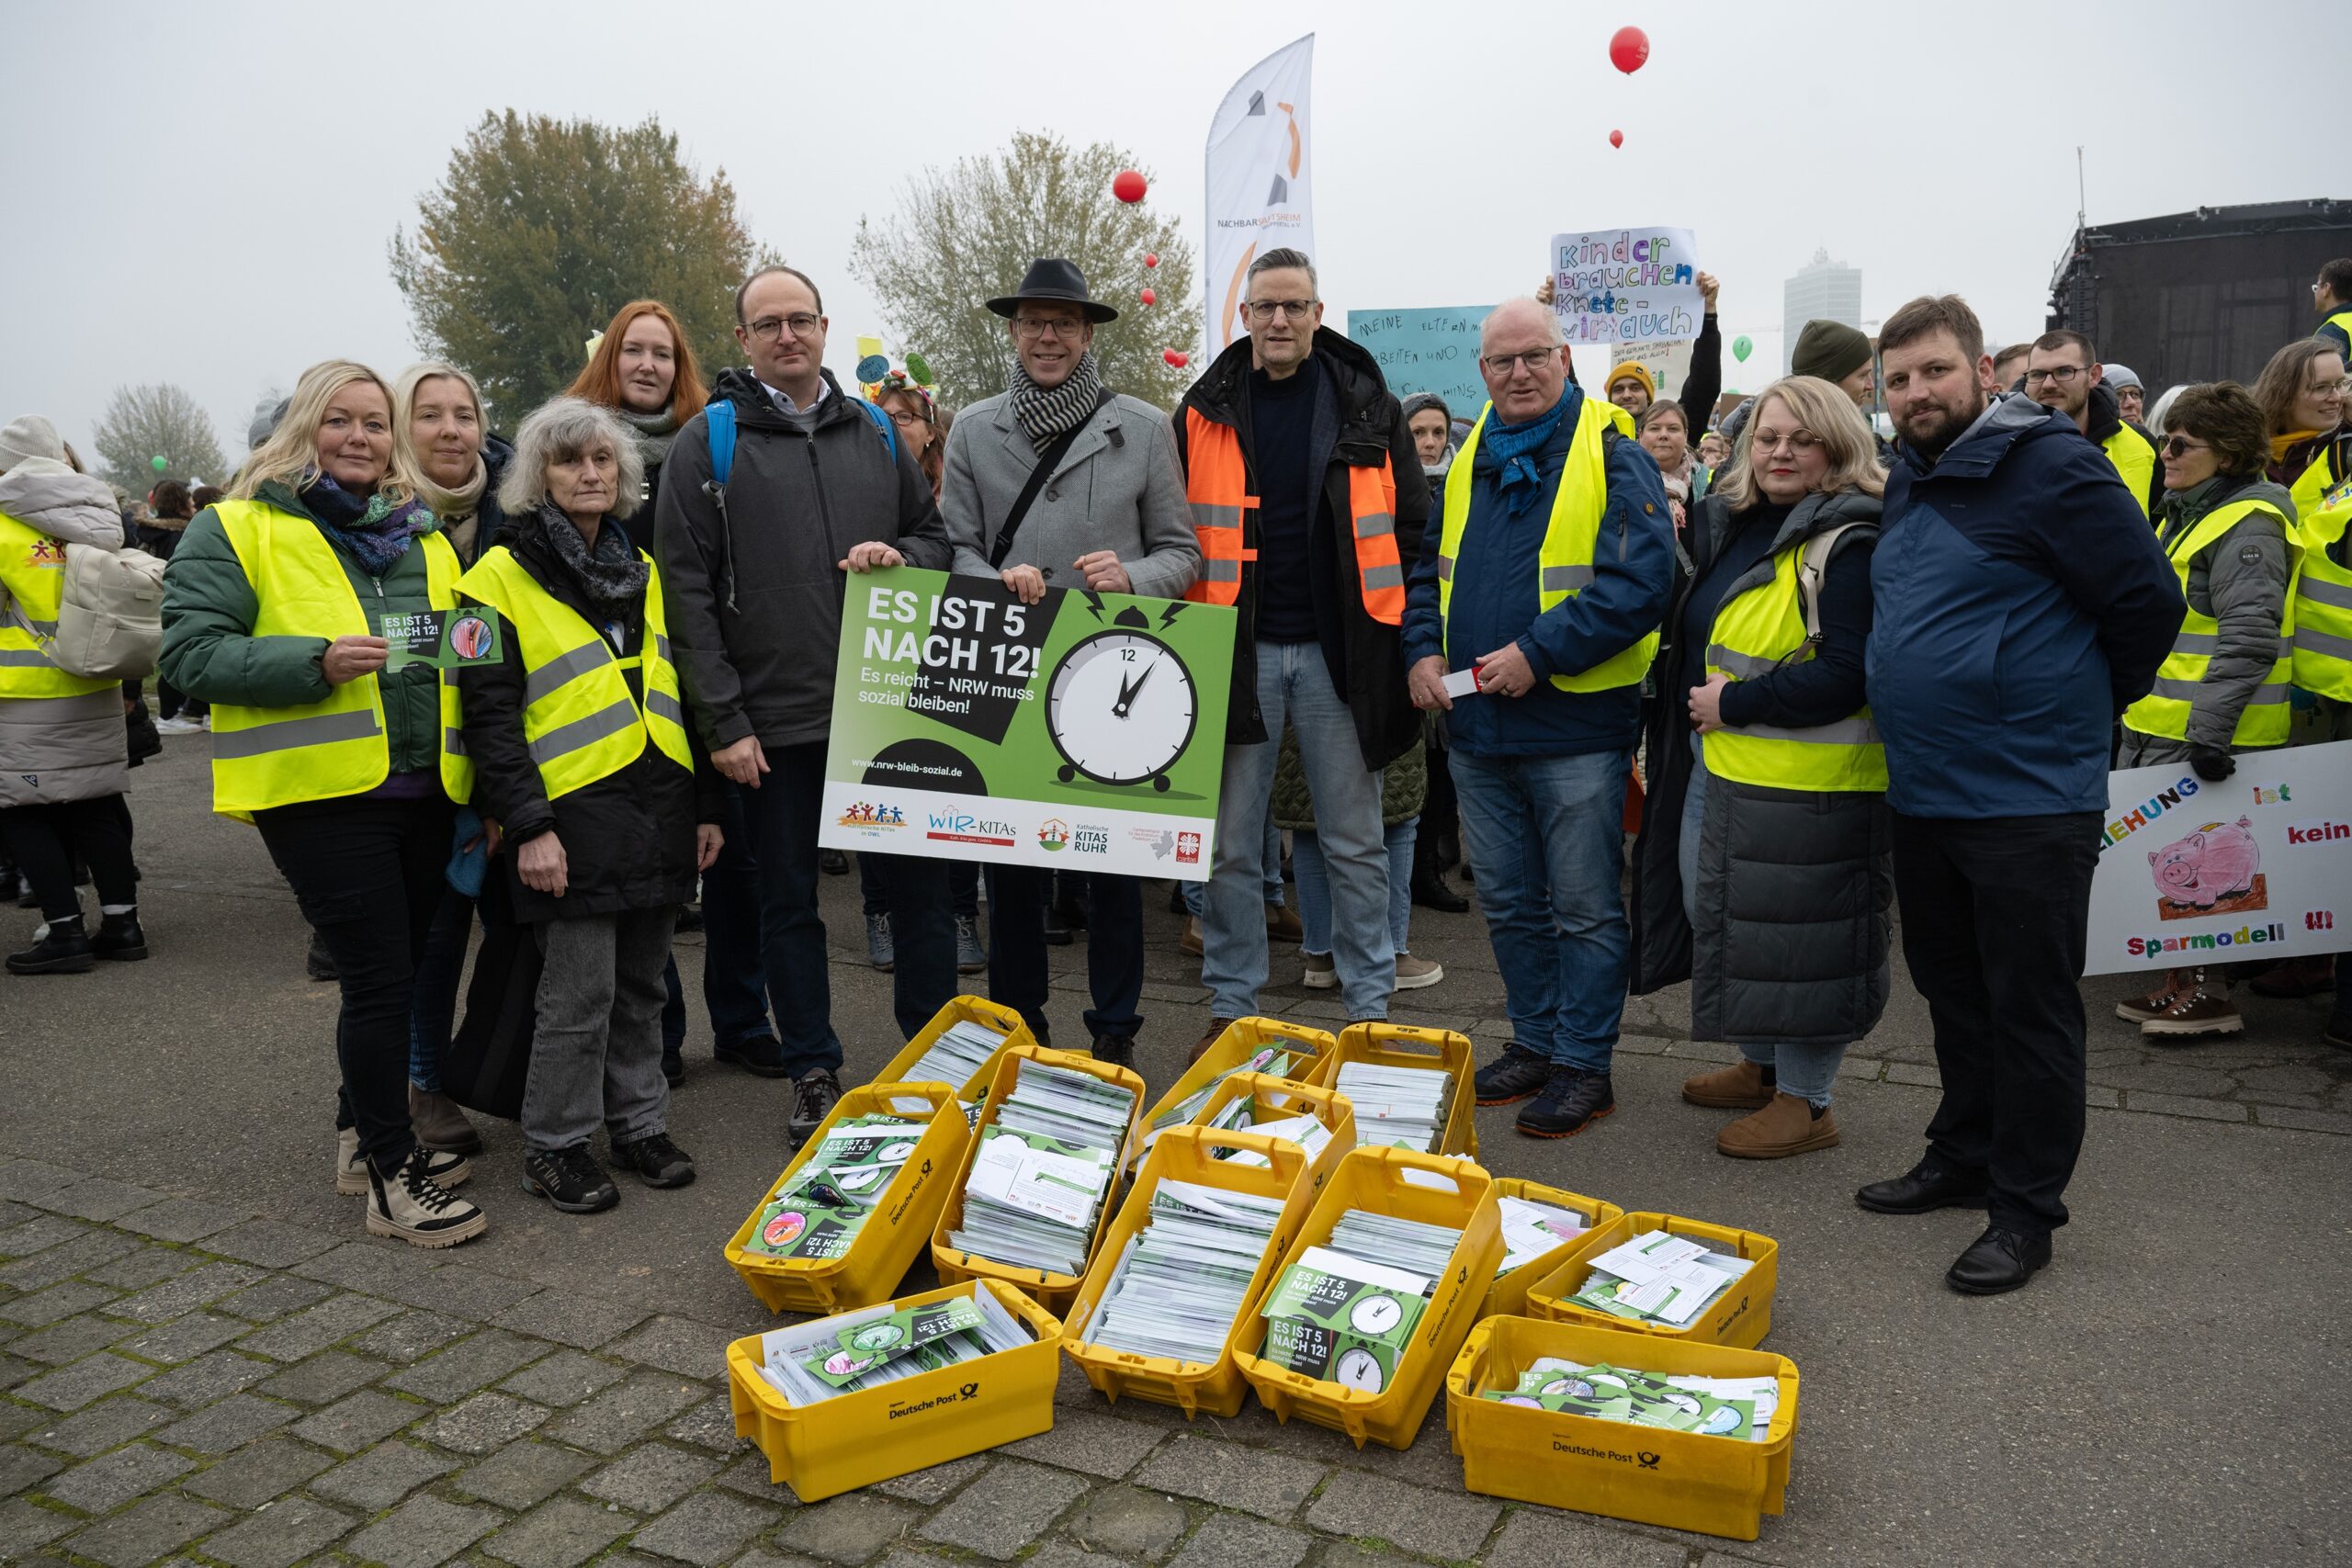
{"x": 1047, "y": 413}
{"x": 610, "y": 578}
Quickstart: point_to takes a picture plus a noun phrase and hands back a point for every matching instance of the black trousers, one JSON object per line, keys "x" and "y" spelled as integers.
{"x": 44, "y": 841}
{"x": 1996, "y": 915}
{"x": 368, "y": 876}
{"x": 1017, "y": 966}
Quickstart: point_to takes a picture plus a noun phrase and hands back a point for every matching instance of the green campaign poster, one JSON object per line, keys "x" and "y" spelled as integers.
{"x": 1084, "y": 732}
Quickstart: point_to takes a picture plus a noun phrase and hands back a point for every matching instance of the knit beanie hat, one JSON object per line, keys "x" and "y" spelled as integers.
{"x": 1831, "y": 350}
{"x": 1415, "y": 402}
{"x": 31, "y": 437}
{"x": 1638, "y": 372}
{"x": 2120, "y": 376}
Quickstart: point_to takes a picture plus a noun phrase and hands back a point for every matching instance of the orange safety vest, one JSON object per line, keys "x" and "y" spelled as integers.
{"x": 1216, "y": 484}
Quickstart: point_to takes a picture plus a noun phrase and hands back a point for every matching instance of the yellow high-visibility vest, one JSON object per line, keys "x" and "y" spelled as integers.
{"x": 1755, "y": 632}
{"x": 2324, "y": 592}
{"x": 28, "y": 601}
{"x": 2135, "y": 462}
{"x": 2164, "y": 710}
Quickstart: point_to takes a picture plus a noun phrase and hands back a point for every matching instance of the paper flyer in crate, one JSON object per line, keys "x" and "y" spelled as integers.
{"x": 818, "y": 1210}
{"x": 862, "y": 1347}
{"x": 1342, "y": 1320}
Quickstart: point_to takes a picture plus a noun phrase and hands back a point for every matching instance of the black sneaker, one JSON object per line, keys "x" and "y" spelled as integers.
{"x": 64, "y": 949}
{"x": 1119, "y": 1050}
{"x": 814, "y": 1094}
{"x": 569, "y": 1178}
{"x": 1572, "y": 1099}
{"x": 674, "y": 1066}
{"x": 761, "y": 1055}
{"x": 1514, "y": 1076}
{"x": 661, "y": 1162}
{"x": 119, "y": 939}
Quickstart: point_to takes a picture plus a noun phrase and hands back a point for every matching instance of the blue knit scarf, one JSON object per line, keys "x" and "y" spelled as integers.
{"x": 1517, "y": 450}
{"x": 369, "y": 528}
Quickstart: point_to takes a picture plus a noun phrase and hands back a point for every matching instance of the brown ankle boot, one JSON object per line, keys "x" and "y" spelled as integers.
{"x": 2141, "y": 1005}
{"x": 1739, "y": 1087}
{"x": 1218, "y": 1026}
{"x": 1785, "y": 1127}
{"x": 2201, "y": 1005}
{"x": 440, "y": 1124}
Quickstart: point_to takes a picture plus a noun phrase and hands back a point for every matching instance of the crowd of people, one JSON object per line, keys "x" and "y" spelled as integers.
{"x": 1860, "y": 671}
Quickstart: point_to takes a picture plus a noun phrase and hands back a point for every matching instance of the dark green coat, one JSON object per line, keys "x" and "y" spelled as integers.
{"x": 1404, "y": 784}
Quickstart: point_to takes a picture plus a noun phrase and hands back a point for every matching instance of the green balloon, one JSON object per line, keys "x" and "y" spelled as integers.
{"x": 1741, "y": 348}
{"x": 159, "y": 464}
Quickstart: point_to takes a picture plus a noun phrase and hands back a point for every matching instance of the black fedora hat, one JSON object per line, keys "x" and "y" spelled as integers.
{"x": 1050, "y": 278}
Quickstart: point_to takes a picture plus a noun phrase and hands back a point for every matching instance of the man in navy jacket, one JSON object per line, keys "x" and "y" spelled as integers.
{"x": 2020, "y": 603}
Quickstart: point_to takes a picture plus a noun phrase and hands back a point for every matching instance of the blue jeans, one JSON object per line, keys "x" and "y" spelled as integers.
{"x": 1294, "y": 685}
{"x": 1546, "y": 837}
{"x": 1193, "y": 891}
{"x": 1806, "y": 1071}
{"x": 433, "y": 1011}
{"x": 1315, "y": 887}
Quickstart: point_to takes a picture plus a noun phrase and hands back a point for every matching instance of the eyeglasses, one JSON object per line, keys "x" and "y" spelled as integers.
{"x": 1797, "y": 441}
{"x": 2062, "y": 374}
{"x": 1031, "y": 328}
{"x": 1500, "y": 365}
{"x": 1292, "y": 309}
{"x": 803, "y": 324}
{"x": 2181, "y": 445}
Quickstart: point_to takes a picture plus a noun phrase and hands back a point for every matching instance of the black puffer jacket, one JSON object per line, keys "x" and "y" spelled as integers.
{"x": 1795, "y": 886}
{"x": 629, "y": 840}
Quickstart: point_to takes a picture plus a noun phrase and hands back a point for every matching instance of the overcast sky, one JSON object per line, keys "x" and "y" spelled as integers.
{"x": 203, "y": 193}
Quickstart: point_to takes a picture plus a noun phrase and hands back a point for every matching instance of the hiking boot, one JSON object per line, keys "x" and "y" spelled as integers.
{"x": 1572, "y": 1100}
{"x": 119, "y": 939}
{"x": 833, "y": 863}
{"x": 1787, "y": 1126}
{"x": 1218, "y": 1026}
{"x": 414, "y": 1207}
{"x": 2294, "y": 978}
{"x": 1190, "y": 943}
{"x": 1282, "y": 924}
{"x": 319, "y": 962}
{"x": 1321, "y": 973}
{"x": 762, "y": 1056}
{"x": 2200, "y": 1007}
{"x": 1514, "y": 1076}
{"x": 1429, "y": 890}
{"x": 444, "y": 1170}
{"x": 1412, "y": 972}
{"x": 971, "y": 954}
{"x": 1743, "y": 1086}
{"x": 879, "y": 950}
{"x": 439, "y": 1123}
{"x": 1119, "y": 1050}
{"x": 569, "y": 1178}
{"x": 2141, "y": 1005}
{"x": 814, "y": 1095}
{"x": 63, "y": 947}
{"x": 656, "y": 1159}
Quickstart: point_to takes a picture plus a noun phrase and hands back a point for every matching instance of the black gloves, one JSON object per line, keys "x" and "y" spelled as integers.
{"x": 2212, "y": 763}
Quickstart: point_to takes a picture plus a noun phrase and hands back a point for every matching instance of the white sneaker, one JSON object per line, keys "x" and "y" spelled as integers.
{"x": 1413, "y": 972}
{"x": 351, "y": 1171}
{"x": 1322, "y": 973}
{"x": 411, "y": 1206}
{"x": 177, "y": 725}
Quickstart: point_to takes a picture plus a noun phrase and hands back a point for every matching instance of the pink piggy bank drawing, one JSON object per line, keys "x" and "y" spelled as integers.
{"x": 2216, "y": 861}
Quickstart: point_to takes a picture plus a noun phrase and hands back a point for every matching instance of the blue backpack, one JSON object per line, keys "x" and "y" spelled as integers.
{"x": 718, "y": 425}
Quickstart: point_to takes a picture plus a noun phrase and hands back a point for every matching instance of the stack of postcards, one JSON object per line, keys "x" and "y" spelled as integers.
{"x": 1345, "y": 1311}
{"x": 1272, "y": 1059}
{"x": 1659, "y": 1277}
{"x": 818, "y": 1210}
{"x": 1403, "y": 1106}
{"x": 961, "y": 1050}
{"x": 813, "y": 1361}
{"x": 1184, "y": 1277}
{"x": 1043, "y": 1169}
{"x": 1532, "y": 1229}
{"x": 1721, "y": 1407}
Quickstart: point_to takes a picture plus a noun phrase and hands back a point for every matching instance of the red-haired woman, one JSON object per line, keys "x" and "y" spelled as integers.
{"x": 644, "y": 370}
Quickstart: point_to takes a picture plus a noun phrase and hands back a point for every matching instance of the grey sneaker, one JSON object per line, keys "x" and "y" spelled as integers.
{"x": 814, "y": 1095}
{"x": 971, "y": 955}
{"x": 879, "y": 950}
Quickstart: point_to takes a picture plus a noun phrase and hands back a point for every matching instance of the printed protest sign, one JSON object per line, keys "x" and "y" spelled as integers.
{"x": 1620, "y": 286}
{"x": 1085, "y": 732}
{"x": 446, "y": 640}
{"x": 1427, "y": 351}
{"x": 2257, "y": 866}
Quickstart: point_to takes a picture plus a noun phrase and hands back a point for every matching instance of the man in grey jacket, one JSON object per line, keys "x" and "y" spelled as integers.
{"x": 1111, "y": 517}
{"x": 752, "y": 577}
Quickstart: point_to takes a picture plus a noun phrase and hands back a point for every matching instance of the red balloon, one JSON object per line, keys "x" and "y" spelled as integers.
{"x": 1629, "y": 48}
{"x": 1151, "y": 258}
{"x": 1176, "y": 358}
{"x": 1128, "y": 186}
{"x": 1616, "y": 138}
{"x": 1150, "y": 297}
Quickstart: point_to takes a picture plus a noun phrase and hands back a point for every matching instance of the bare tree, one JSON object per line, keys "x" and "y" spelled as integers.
{"x": 964, "y": 235}
{"x": 142, "y": 424}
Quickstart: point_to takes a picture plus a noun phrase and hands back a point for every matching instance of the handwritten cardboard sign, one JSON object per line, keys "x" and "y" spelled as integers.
{"x": 1621, "y": 286}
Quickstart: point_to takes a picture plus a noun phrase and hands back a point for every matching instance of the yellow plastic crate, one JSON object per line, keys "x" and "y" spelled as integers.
{"x": 961, "y": 1010}
{"x": 1242, "y": 1039}
{"x": 893, "y": 1235}
{"x": 856, "y": 1439}
{"x": 1741, "y": 1316}
{"x": 1509, "y": 1296}
{"x": 1402, "y": 1045}
{"x": 1434, "y": 1189}
{"x": 1680, "y": 1480}
{"x": 1188, "y": 1154}
{"x": 1291, "y": 1098}
{"x": 1053, "y": 1292}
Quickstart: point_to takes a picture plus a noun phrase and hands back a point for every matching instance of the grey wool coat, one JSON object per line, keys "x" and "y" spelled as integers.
{"x": 1119, "y": 488}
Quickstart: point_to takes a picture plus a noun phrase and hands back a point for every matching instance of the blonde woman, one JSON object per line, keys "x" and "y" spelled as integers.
{"x": 274, "y": 609}
{"x": 442, "y": 436}
{"x": 1763, "y": 874}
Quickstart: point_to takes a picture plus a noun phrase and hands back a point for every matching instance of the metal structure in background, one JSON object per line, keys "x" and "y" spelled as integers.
{"x": 2201, "y": 296}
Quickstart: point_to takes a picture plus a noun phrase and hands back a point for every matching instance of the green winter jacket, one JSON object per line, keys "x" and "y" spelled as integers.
{"x": 210, "y": 650}
{"x": 1404, "y": 785}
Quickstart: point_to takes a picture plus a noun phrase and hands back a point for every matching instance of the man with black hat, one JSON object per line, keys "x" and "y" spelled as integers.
{"x": 1840, "y": 354}
{"x": 1061, "y": 482}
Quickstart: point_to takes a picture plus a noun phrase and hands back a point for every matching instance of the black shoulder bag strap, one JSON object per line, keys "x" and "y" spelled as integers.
{"x": 1047, "y": 461}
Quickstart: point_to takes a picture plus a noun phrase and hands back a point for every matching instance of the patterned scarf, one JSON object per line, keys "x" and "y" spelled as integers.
{"x": 612, "y": 577}
{"x": 1518, "y": 451}
{"x": 370, "y": 529}
{"x": 1048, "y": 413}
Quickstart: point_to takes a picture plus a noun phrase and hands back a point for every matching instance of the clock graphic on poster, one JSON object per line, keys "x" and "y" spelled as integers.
{"x": 1121, "y": 706}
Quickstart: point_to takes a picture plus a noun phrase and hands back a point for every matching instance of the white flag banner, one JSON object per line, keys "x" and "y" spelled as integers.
{"x": 1259, "y": 195}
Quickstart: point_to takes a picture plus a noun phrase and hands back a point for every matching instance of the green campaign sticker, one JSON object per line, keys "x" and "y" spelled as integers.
{"x": 446, "y": 639}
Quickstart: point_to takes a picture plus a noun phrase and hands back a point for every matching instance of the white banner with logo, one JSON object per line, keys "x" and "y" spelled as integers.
{"x": 1259, "y": 196}
{"x": 2257, "y": 866}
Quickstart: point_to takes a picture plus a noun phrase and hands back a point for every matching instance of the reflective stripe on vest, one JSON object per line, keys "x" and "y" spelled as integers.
{"x": 34, "y": 585}
{"x": 335, "y": 747}
{"x": 2323, "y": 596}
{"x": 2135, "y": 462}
{"x": 580, "y": 722}
{"x": 1563, "y": 564}
{"x": 1755, "y": 632}
{"x": 2164, "y": 710}
{"x": 1216, "y": 486}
